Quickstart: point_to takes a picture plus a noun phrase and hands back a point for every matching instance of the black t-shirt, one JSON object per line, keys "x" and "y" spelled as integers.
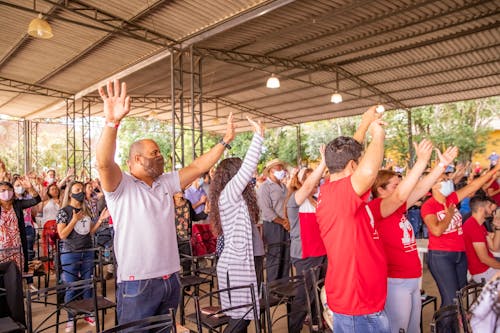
{"x": 79, "y": 238}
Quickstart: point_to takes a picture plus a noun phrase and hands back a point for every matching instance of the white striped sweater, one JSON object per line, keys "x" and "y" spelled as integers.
{"x": 236, "y": 264}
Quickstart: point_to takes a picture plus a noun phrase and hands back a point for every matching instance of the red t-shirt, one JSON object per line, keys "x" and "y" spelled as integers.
{"x": 356, "y": 279}
{"x": 495, "y": 187}
{"x": 475, "y": 233}
{"x": 399, "y": 242}
{"x": 452, "y": 238}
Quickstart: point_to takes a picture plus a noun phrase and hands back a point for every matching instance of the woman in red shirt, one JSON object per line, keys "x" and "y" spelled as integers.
{"x": 394, "y": 196}
{"x": 447, "y": 260}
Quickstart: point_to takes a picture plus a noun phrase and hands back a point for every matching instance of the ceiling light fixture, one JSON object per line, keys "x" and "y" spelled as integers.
{"x": 336, "y": 96}
{"x": 380, "y": 108}
{"x": 273, "y": 82}
{"x": 39, "y": 28}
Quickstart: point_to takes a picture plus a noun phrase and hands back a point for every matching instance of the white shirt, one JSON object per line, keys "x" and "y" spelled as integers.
{"x": 145, "y": 240}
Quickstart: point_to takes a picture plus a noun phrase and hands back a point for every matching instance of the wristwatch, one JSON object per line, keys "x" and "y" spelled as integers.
{"x": 226, "y": 145}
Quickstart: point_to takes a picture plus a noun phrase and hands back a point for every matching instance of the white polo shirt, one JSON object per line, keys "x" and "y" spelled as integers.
{"x": 145, "y": 240}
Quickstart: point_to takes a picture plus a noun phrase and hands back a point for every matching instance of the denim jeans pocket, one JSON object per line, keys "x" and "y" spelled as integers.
{"x": 134, "y": 288}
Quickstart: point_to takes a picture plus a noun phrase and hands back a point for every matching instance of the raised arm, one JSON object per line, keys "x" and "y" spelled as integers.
{"x": 203, "y": 163}
{"x": 428, "y": 181}
{"x": 437, "y": 227}
{"x": 476, "y": 183}
{"x": 238, "y": 183}
{"x": 303, "y": 193}
{"x": 116, "y": 106}
{"x": 402, "y": 192}
{"x": 366, "y": 172}
{"x": 368, "y": 117}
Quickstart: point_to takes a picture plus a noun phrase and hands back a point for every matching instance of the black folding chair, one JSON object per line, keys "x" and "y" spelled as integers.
{"x": 314, "y": 281}
{"x": 157, "y": 324}
{"x": 465, "y": 298}
{"x": 191, "y": 279}
{"x": 96, "y": 263}
{"x": 446, "y": 320}
{"x": 214, "y": 318}
{"x": 77, "y": 307}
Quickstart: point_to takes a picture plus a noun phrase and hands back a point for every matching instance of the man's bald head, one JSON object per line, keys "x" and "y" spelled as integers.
{"x": 137, "y": 148}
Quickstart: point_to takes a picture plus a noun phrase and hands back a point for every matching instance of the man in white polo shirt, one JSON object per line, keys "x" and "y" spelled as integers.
{"x": 142, "y": 207}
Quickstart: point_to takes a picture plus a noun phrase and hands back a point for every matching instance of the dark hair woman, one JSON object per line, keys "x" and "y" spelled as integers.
{"x": 75, "y": 227}
{"x": 234, "y": 212}
{"x": 12, "y": 230}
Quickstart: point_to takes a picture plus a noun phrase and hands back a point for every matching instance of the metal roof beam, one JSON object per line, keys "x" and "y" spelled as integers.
{"x": 245, "y": 58}
{"x": 23, "y": 87}
{"x": 125, "y": 27}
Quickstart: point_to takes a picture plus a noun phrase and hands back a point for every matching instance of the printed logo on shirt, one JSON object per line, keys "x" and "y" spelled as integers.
{"x": 408, "y": 239}
{"x": 455, "y": 224}
{"x": 375, "y": 234}
{"x": 82, "y": 227}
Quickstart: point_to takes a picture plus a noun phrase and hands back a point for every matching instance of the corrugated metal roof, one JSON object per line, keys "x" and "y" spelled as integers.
{"x": 404, "y": 53}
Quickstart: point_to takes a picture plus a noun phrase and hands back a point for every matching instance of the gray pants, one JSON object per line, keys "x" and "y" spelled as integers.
{"x": 277, "y": 242}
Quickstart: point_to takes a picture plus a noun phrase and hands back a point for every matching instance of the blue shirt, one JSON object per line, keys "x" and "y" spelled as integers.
{"x": 194, "y": 195}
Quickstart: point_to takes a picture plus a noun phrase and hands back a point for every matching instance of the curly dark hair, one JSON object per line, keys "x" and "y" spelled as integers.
{"x": 226, "y": 170}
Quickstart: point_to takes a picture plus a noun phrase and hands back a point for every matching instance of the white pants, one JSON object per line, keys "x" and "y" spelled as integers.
{"x": 487, "y": 275}
{"x": 403, "y": 304}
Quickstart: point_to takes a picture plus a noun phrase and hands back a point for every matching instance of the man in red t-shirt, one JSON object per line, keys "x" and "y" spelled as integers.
{"x": 478, "y": 245}
{"x": 356, "y": 279}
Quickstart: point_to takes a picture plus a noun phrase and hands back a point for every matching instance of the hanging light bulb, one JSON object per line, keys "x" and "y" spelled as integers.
{"x": 336, "y": 97}
{"x": 39, "y": 28}
{"x": 380, "y": 108}
{"x": 273, "y": 82}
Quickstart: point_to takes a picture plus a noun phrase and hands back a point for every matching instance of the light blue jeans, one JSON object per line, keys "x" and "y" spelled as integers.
{"x": 370, "y": 323}
{"x": 403, "y": 305}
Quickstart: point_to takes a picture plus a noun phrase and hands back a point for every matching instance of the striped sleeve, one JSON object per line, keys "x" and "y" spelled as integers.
{"x": 237, "y": 184}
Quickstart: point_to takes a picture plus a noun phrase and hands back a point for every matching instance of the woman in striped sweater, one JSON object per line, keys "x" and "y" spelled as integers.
{"x": 233, "y": 211}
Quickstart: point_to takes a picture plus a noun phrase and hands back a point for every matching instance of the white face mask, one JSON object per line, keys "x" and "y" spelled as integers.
{"x": 279, "y": 174}
{"x": 18, "y": 190}
{"x": 50, "y": 180}
{"x": 6, "y": 195}
{"x": 447, "y": 188}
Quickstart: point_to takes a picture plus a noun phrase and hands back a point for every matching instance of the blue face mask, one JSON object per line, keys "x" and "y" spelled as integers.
{"x": 447, "y": 188}
{"x": 200, "y": 181}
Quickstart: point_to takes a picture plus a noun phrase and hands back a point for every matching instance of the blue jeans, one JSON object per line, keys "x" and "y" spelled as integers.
{"x": 449, "y": 270}
{"x": 370, "y": 323}
{"x": 143, "y": 298}
{"x": 413, "y": 216}
{"x": 76, "y": 266}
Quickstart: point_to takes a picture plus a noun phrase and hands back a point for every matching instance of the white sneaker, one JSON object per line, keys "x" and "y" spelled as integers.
{"x": 69, "y": 327}
{"x": 32, "y": 287}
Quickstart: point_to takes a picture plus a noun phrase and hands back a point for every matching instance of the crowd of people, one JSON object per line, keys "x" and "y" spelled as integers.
{"x": 355, "y": 219}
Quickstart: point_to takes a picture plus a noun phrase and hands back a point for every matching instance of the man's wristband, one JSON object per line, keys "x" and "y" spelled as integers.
{"x": 112, "y": 124}
{"x": 226, "y": 145}
{"x": 442, "y": 165}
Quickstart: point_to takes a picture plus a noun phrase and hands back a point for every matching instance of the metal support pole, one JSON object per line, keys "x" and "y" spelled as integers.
{"x": 299, "y": 145}
{"x": 70, "y": 134}
{"x": 86, "y": 144}
{"x": 177, "y": 96}
{"x": 196, "y": 104}
{"x": 21, "y": 147}
{"x": 410, "y": 140}
{"x": 27, "y": 146}
{"x": 35, "y": 163}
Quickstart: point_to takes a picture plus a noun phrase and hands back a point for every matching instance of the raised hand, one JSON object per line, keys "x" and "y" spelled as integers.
{"x": 258, "y": 127}
{"x": 448, "y": 156}
{"x": 423, "y": 150}
{"x": 230, "y": 132}
{"x": 116, "y": 101}
{"x": 376, "y": 128}
{"x": 104, "y": 214}
{"x": 370, "y": 115}
{"x": 322, "y": 150}
{"x": 25, "y": 182}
